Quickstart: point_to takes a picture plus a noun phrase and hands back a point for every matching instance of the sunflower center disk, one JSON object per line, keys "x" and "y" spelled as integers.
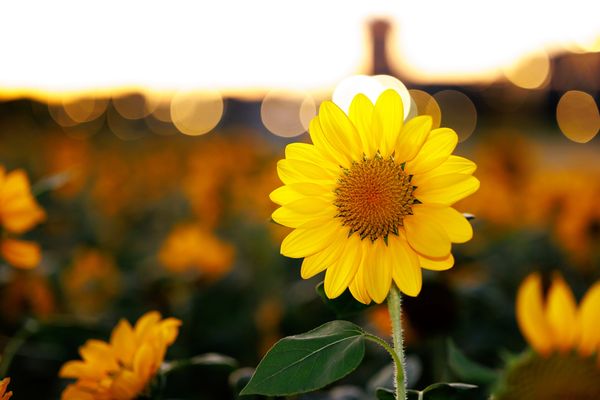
{"x": 373, "y": 196}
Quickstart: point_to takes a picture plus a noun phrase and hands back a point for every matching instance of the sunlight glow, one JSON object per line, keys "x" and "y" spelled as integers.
{"x": 252, "y": 47}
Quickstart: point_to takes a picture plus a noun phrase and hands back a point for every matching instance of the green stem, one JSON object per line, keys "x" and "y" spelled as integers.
{"x": 12, "y": 347}
{"x": 385, "y": 345}
{"x": 394, "y": 302}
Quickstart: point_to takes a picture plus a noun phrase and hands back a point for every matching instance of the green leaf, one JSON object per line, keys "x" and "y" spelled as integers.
{"x": 208, "y": 359}
{"x": 385, "y": 394}
{"x": 343, "y": 306}
{"x": 445, "y": 391}
{"x": 309, "y": 361}
{"x": 468, "y": 370}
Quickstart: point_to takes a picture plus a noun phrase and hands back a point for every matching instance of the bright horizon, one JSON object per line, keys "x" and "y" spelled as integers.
{"x": 240, "y": 47}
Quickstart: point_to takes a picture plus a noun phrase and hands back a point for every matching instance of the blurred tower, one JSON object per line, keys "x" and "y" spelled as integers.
{"x": 380, "y": 29}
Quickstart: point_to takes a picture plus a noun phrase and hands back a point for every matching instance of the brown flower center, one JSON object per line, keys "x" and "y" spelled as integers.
{"x": 373, "y": 197}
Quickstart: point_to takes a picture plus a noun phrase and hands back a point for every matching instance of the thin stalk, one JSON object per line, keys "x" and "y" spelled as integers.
{"x": 394, "y": 302}
{"x": 30, "y": 327}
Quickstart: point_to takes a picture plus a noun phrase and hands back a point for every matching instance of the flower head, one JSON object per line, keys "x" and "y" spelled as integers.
{"x": 19, "y": 212}
{"x": 122, "y": 368}
{"x": 370, "y": 200}
{"x": 91, "y": 282}
{"x": 558, "y": 325}
{"x": 4, "y": 395}
{"x": 565, "y": 339}
{"x": 190, "y": 246}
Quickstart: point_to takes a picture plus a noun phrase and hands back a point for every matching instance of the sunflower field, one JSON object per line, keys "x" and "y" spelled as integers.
{"x": 385, "y": 230}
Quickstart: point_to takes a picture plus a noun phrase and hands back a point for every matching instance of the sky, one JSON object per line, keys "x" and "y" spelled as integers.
{"x": 63, "y": 46}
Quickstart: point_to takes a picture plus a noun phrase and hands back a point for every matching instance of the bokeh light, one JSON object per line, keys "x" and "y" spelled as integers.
{"x": 531, "y": 72}
{"x": 131, "y": 106}
{"x": 577, "y": 116}
{"x": 286, "y": 113}
{"x": 85, "y": 109}
{"x": 425, "y": 104}
{"x": 370, "y": 86}
{"x": 60, "y": 115}
{"x": 196, "y": 113}
{"x": 123, "y": 128}
{"x": 458, "y": 112}
{"x": 159, "y": 106}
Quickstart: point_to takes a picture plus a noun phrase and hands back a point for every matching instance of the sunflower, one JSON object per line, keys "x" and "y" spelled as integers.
{"x": 122, "y": 368}
{"x": 191, "y": 246}
{"x": 370, "y": 199}
{"x": 565, "y": 361}
{"x": 559, "y": 326}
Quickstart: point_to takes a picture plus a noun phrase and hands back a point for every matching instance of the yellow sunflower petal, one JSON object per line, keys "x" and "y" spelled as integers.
{"x": 170, "y": 329}
{"x": 457, "y": 227}
{"x": 306, "y": 242}
{"x": 308, "y": 152}
{"x": 561, "y": 310}
{"x": 74, "y": 369}
{"x": 339, "y": 131}
{"x": 296, "y": 191}
{"x": 318, "y": 139}
{"x": 74, "y": 392}
{"x": 146, "y": 323}
{"x": 285, "y": 194}
{"x": 411, "y": 138}
{"x": 453, "y": 165}
{"x": 100, "y": 354}
{"x": 126, "y": 386}
{"x": 388, "y": 118}
{"x": 360, "y": 114}
{"x": 425, "y": 234}
{"x": 343, "y": 270}
{"x": 308, "y": 212}
{"x": 378, "y": 274}
{"x": 405, "y": 266}
{"x": 312, "y": 265}
{"x": 357, "y": 286}
{"x": 531, "y": 316}
{"x": 436, "y": 149}
{"x": 436, "y": 264}
{"x": 19, "y": 212}
{"x": 589, "y": 322}
{"x": 123, "y": 341}
{"x": 21, "y": 253}
{"x": 143, "y": 362}
{"x": 445, "y": 189}
{"x": 310, "y": 170}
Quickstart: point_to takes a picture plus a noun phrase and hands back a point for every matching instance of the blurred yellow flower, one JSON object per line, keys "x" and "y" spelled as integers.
{"x": 91, "y": 282}
{"x": 19, "y": 212}
{"x": 578, "y": 222}
{"x": 122, "y": 368}
{"x": 370, "y": 200}
{"x": 565, "y": 339}
{"x": 27, "y": 293}
{"x": 505, "y": 162}
{"x": 558, "y": 325}
{"x": 4, "y": 395}
{"x": 189, "y": 246}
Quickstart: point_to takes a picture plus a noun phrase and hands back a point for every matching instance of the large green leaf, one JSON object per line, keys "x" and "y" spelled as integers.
{"x": 467, "y": 369}
{"x": 309, "y": 361}
{"x": 343, "y": 306}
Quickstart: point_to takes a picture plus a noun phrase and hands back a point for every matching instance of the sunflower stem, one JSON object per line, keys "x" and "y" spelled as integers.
{"x": 394, "y": 302}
